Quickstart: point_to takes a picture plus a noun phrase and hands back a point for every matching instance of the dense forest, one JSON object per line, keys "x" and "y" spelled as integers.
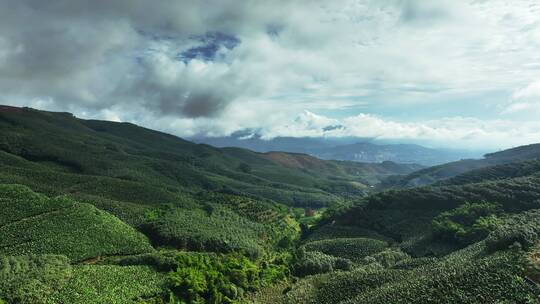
{"x": 104, "y": 212}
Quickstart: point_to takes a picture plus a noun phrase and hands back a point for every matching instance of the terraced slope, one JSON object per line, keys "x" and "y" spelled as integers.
{"x": 61, "y": 226}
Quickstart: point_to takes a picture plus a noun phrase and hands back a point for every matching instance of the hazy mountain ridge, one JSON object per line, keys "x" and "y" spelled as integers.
{"x": 349, "y": 149}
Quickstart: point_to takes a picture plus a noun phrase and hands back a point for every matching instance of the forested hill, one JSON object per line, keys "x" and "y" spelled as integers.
{"x": 515, "y": 154}
{"x": 104, "y": 212}
{"x": 135, "y": 157}
{"x": 442, "y": 172}
{"x": 473, "y": 238}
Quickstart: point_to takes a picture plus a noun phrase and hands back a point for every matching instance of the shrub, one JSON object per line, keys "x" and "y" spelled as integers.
{"x": 18, "y": 202}
{"x": 334, "y": 287}
{"x": 163, "y": 261}
{"x": 211, "y": 277}
{"x": 523, "y": 229}
{"x": 465, "y": 276}
{"x": 220, "y": 231}
{"x": 329, "y": 231}
{"x": 314, "y": 262}
{"x": 96, "y": 284}
{"x": 389, "y": 212}
{"x": 32, "y": 278}
{"x": 412, "y": 263}
{"x": 388, "y": 257}
{"x": 214, "y": 278}
{"x": 354, "y": 249}
{"x": 244, "y": 168}
{"x": 468, "y": 223}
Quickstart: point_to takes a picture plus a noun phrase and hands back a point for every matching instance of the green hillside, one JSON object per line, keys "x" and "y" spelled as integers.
{"x": 92, "y": 192}
{"x": 89, "y": 156}
{"x": 61, "y": 226}
{"x": 104, "y": 212}
{"x": 497, "y": 172}
{"x": 443, "y": 172}
{"x": 473, "y": 238}
{"x": 465, "y": 276}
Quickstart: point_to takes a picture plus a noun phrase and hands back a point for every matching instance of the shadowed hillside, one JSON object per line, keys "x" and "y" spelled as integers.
{"x": 441, "y": 172}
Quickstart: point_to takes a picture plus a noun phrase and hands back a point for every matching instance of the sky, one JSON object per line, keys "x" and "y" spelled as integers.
{"x": 444, "y": 73}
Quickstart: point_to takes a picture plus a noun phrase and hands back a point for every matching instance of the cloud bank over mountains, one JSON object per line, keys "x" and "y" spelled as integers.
{"x": 457, "y": 132}
{"x": 463, "y": 73}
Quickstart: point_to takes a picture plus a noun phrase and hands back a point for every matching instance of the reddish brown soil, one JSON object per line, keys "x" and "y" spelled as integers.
{"x": 8, "y": 109}
{"x": 295, "y": 160}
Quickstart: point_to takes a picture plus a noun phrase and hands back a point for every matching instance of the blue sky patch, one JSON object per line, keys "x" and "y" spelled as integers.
{"x": 210, "y": 44}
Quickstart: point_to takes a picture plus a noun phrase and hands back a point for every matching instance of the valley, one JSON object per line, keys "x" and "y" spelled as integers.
{"x": 269, "y": 152}
{"x": 88, "y": 206}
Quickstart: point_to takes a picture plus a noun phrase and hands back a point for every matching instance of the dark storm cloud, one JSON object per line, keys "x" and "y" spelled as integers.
{"x": 203, "y": 104}
{"x": 87, "y": 54}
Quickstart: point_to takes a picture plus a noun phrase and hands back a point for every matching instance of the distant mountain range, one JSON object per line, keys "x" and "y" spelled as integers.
{"x": 349, "y": 149}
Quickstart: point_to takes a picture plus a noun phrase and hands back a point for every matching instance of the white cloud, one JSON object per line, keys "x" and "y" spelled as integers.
{"x": 525, "y": 100}
{"x": 118, "y": 59}
{"x": 446, "y": 132}
{"x": 532, "y": 91}
{"x": 450, "y": 132}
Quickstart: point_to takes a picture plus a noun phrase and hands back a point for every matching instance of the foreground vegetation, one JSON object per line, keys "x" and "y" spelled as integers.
{"x": 453, "y": 242}
{"x": 100, "y": 212}
{"x": 57, "y": 250}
